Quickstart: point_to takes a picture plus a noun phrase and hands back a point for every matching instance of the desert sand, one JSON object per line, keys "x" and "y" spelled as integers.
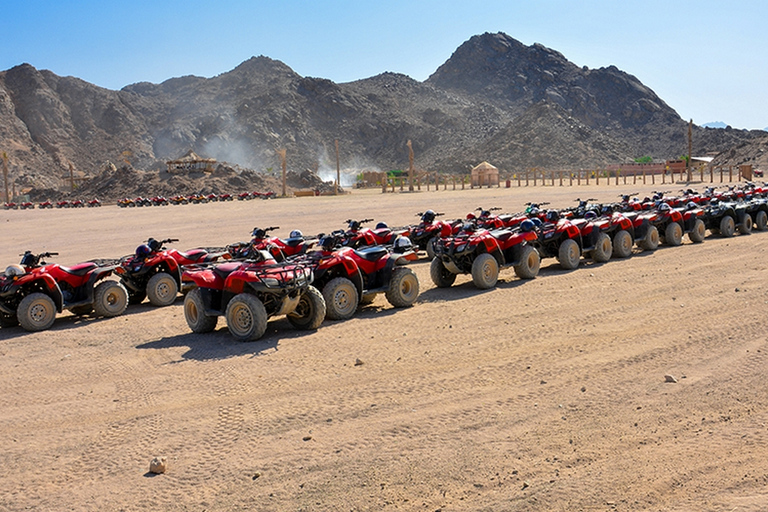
{"x": 541, "y": 395}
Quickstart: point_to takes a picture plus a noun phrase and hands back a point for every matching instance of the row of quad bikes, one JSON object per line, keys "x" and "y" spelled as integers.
{"x": 76, "y": 203}
{"x": 198, "y": 198}
{"x": 246, "y": 282}
{"x": 330, "y": 276}
{"x": 483, "y": 244}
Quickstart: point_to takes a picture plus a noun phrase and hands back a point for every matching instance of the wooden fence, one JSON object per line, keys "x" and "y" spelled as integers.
{"x": 564, "y": 178}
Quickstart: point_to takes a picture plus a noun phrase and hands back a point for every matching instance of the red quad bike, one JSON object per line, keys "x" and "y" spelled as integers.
{"x": 358, "y": 236}
{"x": 646, "y": 234}
{"x": 595, "y": 238}
{"x": 280, "y": 249}
{"x": 32, "y": 293}
{"x": 27, "y": 205}
{"x": 248, "y": 293}
{"x": 669, "y": 223}
{"x": 561, "y": 240}
{"x": 428, "y": 231}
{"x": 605, "y": 233}
{"x": 94, "y": 203}
{"x": 349, "y": 277}
{"x": 482, "y": 253}
{"x": 693, "y": 222}
{"x": 45, "y": 204}
{"x": 155, "y": 272}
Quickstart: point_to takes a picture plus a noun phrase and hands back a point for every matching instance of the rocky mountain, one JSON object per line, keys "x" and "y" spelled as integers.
{"x": 495, "y": 99}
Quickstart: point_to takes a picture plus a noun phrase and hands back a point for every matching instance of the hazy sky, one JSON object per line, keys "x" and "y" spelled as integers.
{"x": 707, "y": 59}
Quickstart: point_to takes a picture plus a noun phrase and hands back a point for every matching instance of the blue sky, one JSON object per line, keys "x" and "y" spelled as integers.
{"x": 707, "y": 59}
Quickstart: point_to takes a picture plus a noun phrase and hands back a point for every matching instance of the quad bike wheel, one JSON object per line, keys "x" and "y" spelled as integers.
{"x": 485, "y": 271}
{"x": 441, "y": 276}
{"x": 603, "y": 249}
{"x": 36, "y": 312}
{"x": 622, "y": 244}
{"x": 310, "y": 312}
{"x": 110, "y": 298}
{"x": 194, "y": 313}
{"x": 727, "y": 227}
{"x": 745, "y": 226}
{"x": 651, "y": 242}
{"x": 403, "y": 288}
{"x": 431, "y": 247}
{"x": 162, "y": 289}
{"x": 341, "y": 298}
{"x": 673, "y": 234}
{"x": 761, "y": 220}
{"x": 8, "y": 320}
{"x": 569, "y": 254}
{"x": 530, "y": 262}
{"x": 698, "y": 232}
{"x": 246, "y": 317}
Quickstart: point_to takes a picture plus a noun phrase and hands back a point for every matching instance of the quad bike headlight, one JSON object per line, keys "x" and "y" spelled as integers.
{"x": 14, "y": 271}
{"x": 461, "y": 247}
{"x": 270, "y": 282}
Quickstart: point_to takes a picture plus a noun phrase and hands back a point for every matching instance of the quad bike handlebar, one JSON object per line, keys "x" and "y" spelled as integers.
{"x": 35, "y": 260}
{"x": 157, "y": 245}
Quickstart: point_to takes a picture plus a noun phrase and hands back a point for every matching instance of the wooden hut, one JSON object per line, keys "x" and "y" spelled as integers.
{"x": 191, "y": 162}
{"x": 486, "y": 175}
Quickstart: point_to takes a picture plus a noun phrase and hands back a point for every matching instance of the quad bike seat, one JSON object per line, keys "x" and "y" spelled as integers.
{"x": 371, "y": 253}
{"x": 631, "y": 215}
{"x": 194, "y": 255}
{"x": 501, "y": 234}
{"x": 80, "y": 269}
{"x": 579, "y": 223}
{"x": 293, "y": 242}
{"x": 225, "y": 269}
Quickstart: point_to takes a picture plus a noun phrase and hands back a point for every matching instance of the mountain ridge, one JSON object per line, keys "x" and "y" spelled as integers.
{"x": 494, "y": 99}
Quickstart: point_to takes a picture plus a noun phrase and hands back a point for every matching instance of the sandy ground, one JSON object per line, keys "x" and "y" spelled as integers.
{"x": 541, "y": 395}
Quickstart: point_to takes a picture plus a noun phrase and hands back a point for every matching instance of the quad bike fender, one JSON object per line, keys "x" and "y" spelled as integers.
{"x": 491, "y": 245}
{"x": 404, "y": 258}
{"x": 45, "y": 284}
{"x": 343, "y": 267}
{"x": 204, "y": 278}
{"x": 97, "y": 275}
{"x": 624, "y": 223}
{"x": 573, "y": 232}
{"x": 236, "y": 282}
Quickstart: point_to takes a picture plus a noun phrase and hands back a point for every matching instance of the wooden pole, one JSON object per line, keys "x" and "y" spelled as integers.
{"x": 5, "y": 176}
{"x": 338, "y": 171}
{"x": 690, "y": 150}
{"x": 410, "y": 165}
{"x": 281, "y": 153}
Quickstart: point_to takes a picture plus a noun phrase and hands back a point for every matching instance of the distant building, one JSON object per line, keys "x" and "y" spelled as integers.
{"x": 485, "y": 175}
{"x": 191, "y": 162}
